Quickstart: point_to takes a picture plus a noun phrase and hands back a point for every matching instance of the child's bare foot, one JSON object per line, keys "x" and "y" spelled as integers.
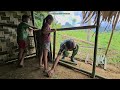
{"x": 45, "y": 71}
{"x": 20, "y": 66}
{"x": 41, "y": 66}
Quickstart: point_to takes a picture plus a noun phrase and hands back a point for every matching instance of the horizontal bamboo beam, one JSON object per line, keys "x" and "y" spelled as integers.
{"x": 13, "y": 25}
{"x": 3, "y": 53}
{"x": 30, "y": 36}
{"x": 76, "y": 28}
{"x": 27, "y": 57}
{"x": 91, "y": 47}
{"x": 81, "y": 70}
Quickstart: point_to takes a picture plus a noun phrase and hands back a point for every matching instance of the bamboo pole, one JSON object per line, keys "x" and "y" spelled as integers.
{"x": 54, "y": 44}
{"x": 34, "y": 33}
{"x": 109, "y": 42}
{"x": 88, "y": 31}
{"x": 76, "y": 28}
{"x": 50, "y": 54}
{"x": 26, "y": 57}
{"x": 96, "y": 41}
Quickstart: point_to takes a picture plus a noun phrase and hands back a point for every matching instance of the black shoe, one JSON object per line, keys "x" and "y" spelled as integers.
{"x": 73, "y": 60}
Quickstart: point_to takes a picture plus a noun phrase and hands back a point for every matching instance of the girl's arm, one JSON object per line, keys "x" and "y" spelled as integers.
{"x": 56, "y": 62}
{"x": 45, "y": 30}
{"x": 62, "y": 48}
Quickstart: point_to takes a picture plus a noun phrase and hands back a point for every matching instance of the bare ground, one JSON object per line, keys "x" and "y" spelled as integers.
{"x": 31, "y": 71}
{"x": 112, "y": 72}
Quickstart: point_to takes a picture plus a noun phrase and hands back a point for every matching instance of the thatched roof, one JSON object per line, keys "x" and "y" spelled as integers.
{"x": 112, "y": 17}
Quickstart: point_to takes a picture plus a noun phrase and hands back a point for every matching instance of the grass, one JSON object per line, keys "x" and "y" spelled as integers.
{"x": 103, "y": 39}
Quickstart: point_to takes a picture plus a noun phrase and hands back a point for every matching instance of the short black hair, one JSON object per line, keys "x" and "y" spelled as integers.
{"x": 25, "y": 17}
{"x": 70, "y": 45}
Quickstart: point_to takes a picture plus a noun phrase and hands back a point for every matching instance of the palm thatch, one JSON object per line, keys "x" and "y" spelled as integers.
{"x": 112, "y": 17}
{"x": 109, "y": 16}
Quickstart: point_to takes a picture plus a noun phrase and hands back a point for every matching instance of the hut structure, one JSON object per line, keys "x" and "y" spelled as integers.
{"x": 10, "y": 19}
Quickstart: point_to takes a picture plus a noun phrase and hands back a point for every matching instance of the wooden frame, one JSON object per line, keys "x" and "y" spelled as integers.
{"x": 95, "y": 46}
{"x": 80, "y": 70}
{"x": 74, "y": 28}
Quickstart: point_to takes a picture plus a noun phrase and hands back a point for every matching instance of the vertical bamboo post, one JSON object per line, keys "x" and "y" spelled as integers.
{"x": 34, "y": 34}
{"x": 54, "y": 45}
{"x": 95, "y": 47}
{"x": 50, "y": 54}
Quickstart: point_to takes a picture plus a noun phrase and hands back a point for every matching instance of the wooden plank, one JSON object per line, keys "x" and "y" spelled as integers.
{"x": 68, "y": 62}
{"x": 95, "y": 47}
{"x": 76, "y": 28}
{"x": 27, "y": 57}
{"x": 80, "y": 70}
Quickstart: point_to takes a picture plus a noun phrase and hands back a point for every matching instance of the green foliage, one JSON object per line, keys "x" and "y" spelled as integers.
{"x": 103, "y": 39}
{"x": 39, "y": 16}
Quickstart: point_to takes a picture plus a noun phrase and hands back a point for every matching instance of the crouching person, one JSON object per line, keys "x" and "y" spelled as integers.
{"x": 67, "y": 45}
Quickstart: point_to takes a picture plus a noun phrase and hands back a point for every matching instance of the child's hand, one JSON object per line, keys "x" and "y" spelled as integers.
{"x": 50, "y": 73}
{"x": 36, "y": 29}
{"x": 30, "y": 29}
{"x": 54, "y": 30}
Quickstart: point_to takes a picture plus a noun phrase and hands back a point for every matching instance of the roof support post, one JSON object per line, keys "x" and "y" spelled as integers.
{"x": 95, "y": 47}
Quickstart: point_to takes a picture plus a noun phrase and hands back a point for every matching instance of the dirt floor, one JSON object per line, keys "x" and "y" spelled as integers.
{"x": 112, "y": 72}
{"x": 31, "y": 71}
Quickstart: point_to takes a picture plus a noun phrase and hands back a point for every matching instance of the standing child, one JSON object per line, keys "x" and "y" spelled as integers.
{"x": 45, "y": 42}
{"x": 22, "y": 38}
